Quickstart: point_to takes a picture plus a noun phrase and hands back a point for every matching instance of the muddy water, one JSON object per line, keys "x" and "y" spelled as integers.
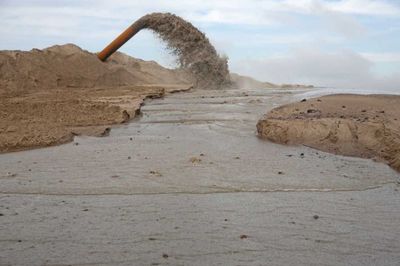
{"x": 189, "y": 183}
{"x": 199, "y": 141}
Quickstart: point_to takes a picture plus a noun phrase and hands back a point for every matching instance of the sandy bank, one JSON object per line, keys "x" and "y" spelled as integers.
{"x": 365, "y": 126}
{"x": 48, "y": 96}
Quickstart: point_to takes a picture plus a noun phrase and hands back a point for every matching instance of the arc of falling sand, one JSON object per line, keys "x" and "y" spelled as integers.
{"x": 194, "y": 51}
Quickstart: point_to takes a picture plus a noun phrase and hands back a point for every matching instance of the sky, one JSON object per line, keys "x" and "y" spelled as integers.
{"x": 333, "y": 43}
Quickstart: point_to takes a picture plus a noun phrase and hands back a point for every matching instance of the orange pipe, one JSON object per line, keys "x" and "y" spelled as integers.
{"x": 121, "y": 40}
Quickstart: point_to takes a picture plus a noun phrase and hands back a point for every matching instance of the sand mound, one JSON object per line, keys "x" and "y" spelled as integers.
{"x": 191, "y": 46}
{"x": 48, "y": 96}
{"x": 365, "y": 126}
{"x": 70, "y": 66}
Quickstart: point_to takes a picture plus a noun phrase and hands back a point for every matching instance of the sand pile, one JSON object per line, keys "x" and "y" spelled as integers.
{"x": 70, "y": 66}
{"x": 365, "y": 126}
{"x": 48, "y": 96}
{"x": 191, "y": 46}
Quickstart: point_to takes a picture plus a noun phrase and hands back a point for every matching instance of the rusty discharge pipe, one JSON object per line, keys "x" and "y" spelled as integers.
{"x": 121, "y": 39}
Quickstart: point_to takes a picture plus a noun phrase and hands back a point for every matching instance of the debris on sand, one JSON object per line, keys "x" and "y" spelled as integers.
{"x": 195, "y": 160}
{"x": 155, "y": 173}
{"x": 9, "y": 174}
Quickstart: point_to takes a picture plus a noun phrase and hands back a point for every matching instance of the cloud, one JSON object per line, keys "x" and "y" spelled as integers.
{"x": 343, "y": 69}
{"x": 382, "y": 57}
{"x": 365, "y": 7}
{"x": 337, "y": 21}
{"x": 240, "y": 28}
{"x": 66, "y": 16}
{"x": 210, "y": 11}
{"x": 359, "y": 7}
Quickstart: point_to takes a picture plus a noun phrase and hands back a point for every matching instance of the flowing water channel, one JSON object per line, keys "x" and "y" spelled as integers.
{"x": 189, "y": 182}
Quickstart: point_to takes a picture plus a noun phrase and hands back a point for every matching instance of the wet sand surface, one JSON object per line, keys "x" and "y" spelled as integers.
{"x": 189, "y": 183}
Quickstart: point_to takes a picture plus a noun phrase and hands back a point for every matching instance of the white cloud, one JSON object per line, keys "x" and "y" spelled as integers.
{"x": 382, "y": 57}
{"x": 92, "y": 23}
{"x": 232, "y": 16}
{"x": 344, "y": 69}
{"x": 365, "y": 7}
{"x": 223, "y": 11}
{"x": 52, "y": 17}
{"x": 339, "y": 22}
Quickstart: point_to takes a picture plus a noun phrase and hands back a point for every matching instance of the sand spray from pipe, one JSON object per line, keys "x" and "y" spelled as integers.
{"x": 192, "y": 48}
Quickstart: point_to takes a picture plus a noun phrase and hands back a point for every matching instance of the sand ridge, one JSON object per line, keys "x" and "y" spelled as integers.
{"x": 365, "y": 126}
